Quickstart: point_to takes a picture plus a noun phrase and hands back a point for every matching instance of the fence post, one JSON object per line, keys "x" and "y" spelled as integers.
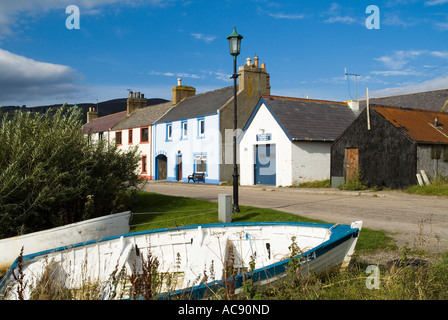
{"x": 225, "y": 208}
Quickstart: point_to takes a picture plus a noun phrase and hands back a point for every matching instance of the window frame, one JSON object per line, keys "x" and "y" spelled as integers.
{"x": 144, "y": 164}
{"x": 200, "y": 157}
{"x": 169, "y": 132}
{"x": 119, "y": 142}
{"x": 184, "y": 131}
{"x": 130, "y": 137}
{"x": 141, "y": 135}
{"x": 201, "y": 125}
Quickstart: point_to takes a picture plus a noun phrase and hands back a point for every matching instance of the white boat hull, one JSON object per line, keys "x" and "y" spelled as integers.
{"x": 196, "y": 256}
{"x": 83, "y": 231}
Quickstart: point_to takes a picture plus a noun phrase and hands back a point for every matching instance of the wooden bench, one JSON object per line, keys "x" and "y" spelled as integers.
{"x": 197, "y": 176}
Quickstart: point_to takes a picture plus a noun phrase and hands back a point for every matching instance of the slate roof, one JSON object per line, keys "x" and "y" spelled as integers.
{"x": 199, "y": 105}
{"x": 310, "y": 120}
{"x": 143, "y": 117}
{"x": 427, "y": 100}
{"x": 103, "y": 124}
{"x": 417, "y": 124}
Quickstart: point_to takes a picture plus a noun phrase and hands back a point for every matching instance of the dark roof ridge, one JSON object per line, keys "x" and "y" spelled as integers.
{"x": 304, "y": 99}
{"x": 406, "y": 94}
{"x": 203, "y": 93}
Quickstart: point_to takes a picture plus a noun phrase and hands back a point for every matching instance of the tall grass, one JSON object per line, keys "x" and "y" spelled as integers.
{"x": 438, "y": 187}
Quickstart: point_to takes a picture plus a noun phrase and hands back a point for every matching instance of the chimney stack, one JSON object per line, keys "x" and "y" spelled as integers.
{"x": 253, "y": 78}
{"x": 181, "y": 92}
{"x": 91, "y": 114}
{"x": 136, "y": 101}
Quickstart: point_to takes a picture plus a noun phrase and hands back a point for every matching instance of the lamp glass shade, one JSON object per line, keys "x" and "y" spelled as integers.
{"x": 235, "y": 42}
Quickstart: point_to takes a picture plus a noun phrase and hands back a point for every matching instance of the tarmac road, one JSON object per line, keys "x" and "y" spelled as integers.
{"x": 413, "y": 220}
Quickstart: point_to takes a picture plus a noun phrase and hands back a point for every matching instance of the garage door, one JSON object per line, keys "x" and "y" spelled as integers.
{"x": 265, "y": 169}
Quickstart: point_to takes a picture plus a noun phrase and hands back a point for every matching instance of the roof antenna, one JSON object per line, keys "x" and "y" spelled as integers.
{"x": 356, "y": 82}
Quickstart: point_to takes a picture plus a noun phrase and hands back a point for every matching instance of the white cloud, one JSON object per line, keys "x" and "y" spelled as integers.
{"x": 407, "y": 72}
{"x": 341, "y": 19}
{"x": 23, "y": 78}
{"x": 206, "y": 39}
{"x": 399, "y": 58}
{"x": 178, "y": 74}
{"x": 286, "y": 16}
{"x": 435, "y": 2}
{"x": 433, "y": 84}
{"x": 335, "y": 15}
{"x": 11, "y": 12}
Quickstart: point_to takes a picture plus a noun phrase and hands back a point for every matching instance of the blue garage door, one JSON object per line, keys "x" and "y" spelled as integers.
{"x": 265, "y": 171}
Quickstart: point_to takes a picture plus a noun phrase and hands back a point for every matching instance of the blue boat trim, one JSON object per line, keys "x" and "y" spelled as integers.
{"x": 339, "y": 234}
{"x": 344, "y": 233}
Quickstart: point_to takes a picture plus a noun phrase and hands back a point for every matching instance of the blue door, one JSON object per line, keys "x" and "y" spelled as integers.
{"x": 265, "y": 169}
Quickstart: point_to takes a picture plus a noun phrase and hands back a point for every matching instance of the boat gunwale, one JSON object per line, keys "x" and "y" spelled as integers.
{"x": 339, "y": 233}
{"x": 277, "y": 268}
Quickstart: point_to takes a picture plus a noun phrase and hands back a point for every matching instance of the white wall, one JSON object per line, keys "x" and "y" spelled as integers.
{"x": 264, "y": 122}
{"x": 311, "y": 161}
{"x": 143, "y": 148}
{"x": 192, "y": 145}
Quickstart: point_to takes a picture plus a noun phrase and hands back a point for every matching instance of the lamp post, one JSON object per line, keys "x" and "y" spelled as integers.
{"x": 235, "y": 47}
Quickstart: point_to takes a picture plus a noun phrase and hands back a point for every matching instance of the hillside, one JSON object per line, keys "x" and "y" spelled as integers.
{"x": 104, "y": 108}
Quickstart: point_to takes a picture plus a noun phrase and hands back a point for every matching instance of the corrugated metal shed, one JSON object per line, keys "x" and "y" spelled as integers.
{"x": 420, "y": 125}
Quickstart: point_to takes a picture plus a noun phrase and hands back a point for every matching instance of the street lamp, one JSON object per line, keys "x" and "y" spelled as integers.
{"x": 235, "y": 47}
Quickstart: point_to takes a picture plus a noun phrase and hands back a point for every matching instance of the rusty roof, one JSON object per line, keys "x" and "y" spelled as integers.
{"x": 420, "y": 125}
{"x": 103, "y": 124}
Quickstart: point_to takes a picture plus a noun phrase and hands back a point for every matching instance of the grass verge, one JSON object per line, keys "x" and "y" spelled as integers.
{"x": 161, "y": 211}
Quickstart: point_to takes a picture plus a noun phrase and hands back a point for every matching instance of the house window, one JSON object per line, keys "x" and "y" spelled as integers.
{"x": 144, "y": 164}
{"x": 100, "y": 135}
{"x": 118, "y": 138}
{"x": 200, "y": 163}
{"x": 144, "y": 134}
{"x": 184, "y": 130}
{"x": 201, "y": 128}
{"x": 130, "y": 136}
{"x": 169, "y": 132}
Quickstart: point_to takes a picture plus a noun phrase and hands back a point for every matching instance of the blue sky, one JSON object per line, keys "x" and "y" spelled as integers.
{"x": 146, "y": 45}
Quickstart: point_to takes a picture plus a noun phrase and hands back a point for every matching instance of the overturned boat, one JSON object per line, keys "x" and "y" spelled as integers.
{"x": 91, "y": 229}
{"x": 191, "y": 262}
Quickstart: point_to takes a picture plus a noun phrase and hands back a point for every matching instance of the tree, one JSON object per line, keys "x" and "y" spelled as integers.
{"x": 50, "y": 175}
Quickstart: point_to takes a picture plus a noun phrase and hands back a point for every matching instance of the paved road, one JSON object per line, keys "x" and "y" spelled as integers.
{"x": 414, "y": 220}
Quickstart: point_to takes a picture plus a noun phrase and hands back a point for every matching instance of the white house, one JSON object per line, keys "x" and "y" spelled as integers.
{"x": 287, "y": 141}
{"x": 187, "y": 139}
{"x": 196, "y": 134}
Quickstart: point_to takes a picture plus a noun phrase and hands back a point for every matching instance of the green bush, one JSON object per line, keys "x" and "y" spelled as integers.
{"x": 355, "y": 182}
{"x": 50, "y": 175}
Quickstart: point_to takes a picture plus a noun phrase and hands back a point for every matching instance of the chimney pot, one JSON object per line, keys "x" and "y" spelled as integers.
{"x": 179, "y": 82}
{"x": 263, "y": 66}
{"x": 143, "y": 96}
{"x": 256, "y": 61}
{"x": 248, "y": 61}
{"x": 130, "y": 94}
